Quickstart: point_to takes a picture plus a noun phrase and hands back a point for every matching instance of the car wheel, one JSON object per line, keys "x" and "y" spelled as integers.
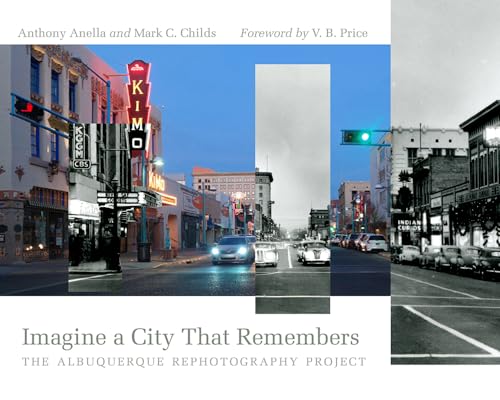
{"x": 304, "y": 262}
{"x": 275, "y": 265}
{"x": 438, "y": 267}
{"x": 327, "y": 263}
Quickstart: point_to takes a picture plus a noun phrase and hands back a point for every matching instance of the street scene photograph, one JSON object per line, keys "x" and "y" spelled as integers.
{"x": 133, "y": 170}
{"x": 445, "y": 184}
{"x": 292, "y": 155}
{"x": 360, "y": 171}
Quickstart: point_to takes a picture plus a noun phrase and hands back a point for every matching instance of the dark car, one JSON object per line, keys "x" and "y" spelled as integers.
{"x": 428, "y": 257}
{"x": 466, "y": 259}
{"x": 233, "y": 249}
{"x": 487, "y": 264}
{"x": 395, "y": 252}
{"x": 351, "y": 240}
{"x": 446, "y": 258}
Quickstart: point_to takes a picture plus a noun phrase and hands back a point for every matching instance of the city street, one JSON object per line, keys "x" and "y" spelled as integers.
{"x": 291, "y": 288}
{"x": 439, "y": 318}
{"x": 199, "y": 278}
{"x": 359, "y": 274}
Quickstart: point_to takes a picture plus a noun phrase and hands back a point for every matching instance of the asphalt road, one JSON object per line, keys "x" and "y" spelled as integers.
{"x": 291, "y": 288}
{"x": 359, "y": 274}
{"x": 439, "y": 318}
{"x": 200, "y": 278}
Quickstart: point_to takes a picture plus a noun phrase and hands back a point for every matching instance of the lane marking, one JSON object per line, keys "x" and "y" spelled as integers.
{"x": 89, "y": 277}
{"x": 292, "y": 272}
{"x": 436, "y": 286}
{"x": 444, "y": 297}
{"x": 298, "y": 296}
{"x": 444, "y": 356}
{"x": 454, "y": 332}
{"x": 442, "y": 306}
{"x": 289, "y": 258}
{"x": 54, "y": 284}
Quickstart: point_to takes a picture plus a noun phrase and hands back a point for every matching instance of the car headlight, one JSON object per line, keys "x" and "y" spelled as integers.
{"x": 215, "y": 251}
{"x": 242, "y": 251}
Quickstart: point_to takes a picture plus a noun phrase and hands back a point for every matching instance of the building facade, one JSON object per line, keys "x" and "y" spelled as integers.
{"x": 34, "y": 157}
{"x": 319, "y": 224}
{"x": 349, "y": 192}
{"x": 263, "y": 200}
{"x": 432, "y": 175}
{"x": 476, "y": 214}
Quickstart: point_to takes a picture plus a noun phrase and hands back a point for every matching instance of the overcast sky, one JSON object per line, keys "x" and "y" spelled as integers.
{"x": 292, "y": 139}
{"x": 445, "y": 60}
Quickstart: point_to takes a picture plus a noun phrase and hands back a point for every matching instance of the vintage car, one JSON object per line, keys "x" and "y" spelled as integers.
{"x": 266, "y": 253}
{"x": 409, "y": 254}
{"x": 465, "y": 260}
{"x": 487, "y": 264}
{"x": 233, "y": 249}
{"x": 429, "y": 255}
{"x": 316, "y": 253}
{"x": 446, "y": 258}
{"x": 396, "y": 254}
{"x": 301, "y": 247}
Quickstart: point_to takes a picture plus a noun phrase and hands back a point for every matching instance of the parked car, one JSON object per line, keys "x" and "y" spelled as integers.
{"x": 266, "y": 253}
{"x": 301, "y": 248}
{"x": 396, "y": 254}
{"x": 428, "y": 256}
{"x": 351, "y": 240}
{"x": 446, "y": 258}
{"x": 487, "y": 264}
{"x": 465, "y": 260}
{"x": 409, "y": 254}
{"x": 336, "y": 240}
{"x": 316, "y": 253}
{"x": 233, "y": 249}
{"x": 372, "y": 243}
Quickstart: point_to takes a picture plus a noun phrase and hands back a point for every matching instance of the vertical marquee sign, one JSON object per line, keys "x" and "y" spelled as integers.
{"x": 139, "y": 89}
{"x": 79, "y": 146}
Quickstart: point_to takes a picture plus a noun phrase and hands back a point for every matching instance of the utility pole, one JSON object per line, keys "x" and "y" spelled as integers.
{"x": 204, "y": 220}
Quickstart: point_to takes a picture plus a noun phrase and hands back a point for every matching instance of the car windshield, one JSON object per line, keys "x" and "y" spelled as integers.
{"x": 474, "y": 252}
{"x": 232, "y": 241}
{"x": 453, "y": 250}
{"x": 376, "y": 237}
{"x": 315, "y": 246}
{"x": 252, "y": 239}
{"x": 495, "y": 253}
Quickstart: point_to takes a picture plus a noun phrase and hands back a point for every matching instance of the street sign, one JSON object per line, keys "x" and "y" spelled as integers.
{"x": 122, "y": 198}
{"x": 129, "y": 199}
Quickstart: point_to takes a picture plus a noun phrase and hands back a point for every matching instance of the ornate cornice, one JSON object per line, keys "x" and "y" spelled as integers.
{"x": 37, "y": 53}
{"x": 62, "y": 57}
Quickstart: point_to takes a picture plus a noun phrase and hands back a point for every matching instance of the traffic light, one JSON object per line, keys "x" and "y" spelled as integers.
{"x": 357, "y": 137}
{"x": 28, "y": 110}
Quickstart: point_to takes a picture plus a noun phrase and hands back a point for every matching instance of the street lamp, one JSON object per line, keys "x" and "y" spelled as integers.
{"x": 107, "y": 82}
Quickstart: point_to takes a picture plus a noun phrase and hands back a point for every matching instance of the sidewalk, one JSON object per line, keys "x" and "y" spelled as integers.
{"x": 129, "y": 260}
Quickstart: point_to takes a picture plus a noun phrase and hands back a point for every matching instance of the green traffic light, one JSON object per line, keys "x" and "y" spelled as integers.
{"x": 365, "y": 136}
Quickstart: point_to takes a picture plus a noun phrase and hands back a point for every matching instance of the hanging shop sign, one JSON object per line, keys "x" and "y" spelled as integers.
{"x": 83, "y": 209}
{"x": 409, "y": 225}
{"x": 79, "y": 146}
{"x": 139, "y": 89}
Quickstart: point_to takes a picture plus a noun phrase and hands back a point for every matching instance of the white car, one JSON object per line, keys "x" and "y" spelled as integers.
{"x": 266, "y": 253}
{"x": 301, "y": 247}
{"x": 372, "y": 243}
{"x": 316, "y": 253}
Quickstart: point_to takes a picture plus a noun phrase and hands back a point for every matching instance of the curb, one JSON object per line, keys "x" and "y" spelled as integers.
{"x": 187, "y": 261}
